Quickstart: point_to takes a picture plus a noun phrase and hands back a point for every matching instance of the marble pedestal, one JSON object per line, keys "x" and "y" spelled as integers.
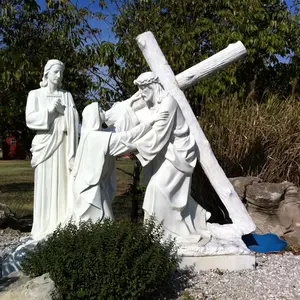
{"x": 217, "y": 254}
{"x": 221, "y": 262}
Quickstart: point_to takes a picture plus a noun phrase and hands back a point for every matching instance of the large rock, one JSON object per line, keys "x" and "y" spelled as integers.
{"x": 274, "y": 207}
{"x": 241, "y": 183}
{"x": 24, "y": 288}
{"x": 266, "y": 222}
{"x": 5, "y": 209}
{"x": 266, "y": 196}
{"x": 289, "y": 215}
{"x": 9, "y": 220}
{"x": 5, "y": 212}
{"x": 263, "y": 200}
{"x": 3, "y": 218}
{"x": 24, "y": 224}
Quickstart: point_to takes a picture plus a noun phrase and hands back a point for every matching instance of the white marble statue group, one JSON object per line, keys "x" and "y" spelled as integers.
{"x": 79, "y": 180}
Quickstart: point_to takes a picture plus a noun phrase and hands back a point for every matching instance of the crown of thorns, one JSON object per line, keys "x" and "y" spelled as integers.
{"x": 146, "y": 81}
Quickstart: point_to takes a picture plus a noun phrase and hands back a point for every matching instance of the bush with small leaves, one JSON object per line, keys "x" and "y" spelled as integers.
{"x": 105, "y": 260}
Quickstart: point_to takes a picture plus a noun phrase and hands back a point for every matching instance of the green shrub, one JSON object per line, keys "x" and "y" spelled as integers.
{"x": 105, "y": 260}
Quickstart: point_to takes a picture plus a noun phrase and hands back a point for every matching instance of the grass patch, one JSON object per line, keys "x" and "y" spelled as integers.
{"x": 124, "y": 180}
{"x": 16, "y": 187}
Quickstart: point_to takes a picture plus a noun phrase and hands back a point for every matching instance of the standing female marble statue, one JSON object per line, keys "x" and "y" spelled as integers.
{"x": 51, "y": 112}
{"x": 94, "y": 177}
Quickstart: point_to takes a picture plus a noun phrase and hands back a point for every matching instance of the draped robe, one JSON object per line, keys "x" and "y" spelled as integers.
{"x": 94, "y": 176}
{"x": 53, "y": 152}
{"x": 167, "y": 153}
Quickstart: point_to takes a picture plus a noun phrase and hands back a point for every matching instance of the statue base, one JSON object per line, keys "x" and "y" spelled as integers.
{"x": 230, "y": 255}
{"x": 221, "y": 262}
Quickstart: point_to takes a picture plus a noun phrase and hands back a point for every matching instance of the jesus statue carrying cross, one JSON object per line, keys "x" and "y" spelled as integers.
{"x": 170, "y": 150}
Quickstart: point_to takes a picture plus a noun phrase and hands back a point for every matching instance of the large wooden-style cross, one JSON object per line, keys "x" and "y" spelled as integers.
{"x": 160, "y": 67}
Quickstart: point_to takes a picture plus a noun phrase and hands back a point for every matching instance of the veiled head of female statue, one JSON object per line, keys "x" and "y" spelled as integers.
{"x": 92, "y": 118}
{"x": 53, "y": 72}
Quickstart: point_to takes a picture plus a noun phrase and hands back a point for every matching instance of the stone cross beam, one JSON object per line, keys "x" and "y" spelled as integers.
{"x": 207, "y": 67}
{"x": 160, "y": 67}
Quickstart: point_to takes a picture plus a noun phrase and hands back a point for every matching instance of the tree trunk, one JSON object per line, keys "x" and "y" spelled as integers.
{"x": 134, "y": 192}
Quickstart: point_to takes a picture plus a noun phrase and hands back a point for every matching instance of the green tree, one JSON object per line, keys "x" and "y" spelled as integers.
{"x": 29, "y": 36}
{"x": 189, "y": 31}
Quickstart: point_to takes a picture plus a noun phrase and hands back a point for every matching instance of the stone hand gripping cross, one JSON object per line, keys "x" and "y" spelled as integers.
{"x": 242, "y": 222}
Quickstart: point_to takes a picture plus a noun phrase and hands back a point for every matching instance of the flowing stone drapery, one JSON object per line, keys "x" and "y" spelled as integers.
{"x": 94, "y": 176}
{"x": 242, "y": 222}
{"x": 53, "y": 151}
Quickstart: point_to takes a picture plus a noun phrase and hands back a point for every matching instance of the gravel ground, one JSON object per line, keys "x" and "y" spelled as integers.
{"x": 277, "y": 276}
{"x": 10, "y": 238}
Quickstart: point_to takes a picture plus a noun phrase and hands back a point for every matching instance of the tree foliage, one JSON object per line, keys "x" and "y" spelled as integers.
{"x": 29, "y": 36}
{"x": 190, "y": 31}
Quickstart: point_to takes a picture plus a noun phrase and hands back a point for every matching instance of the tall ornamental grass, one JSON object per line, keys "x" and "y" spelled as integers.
{"x": 255, "y": 139}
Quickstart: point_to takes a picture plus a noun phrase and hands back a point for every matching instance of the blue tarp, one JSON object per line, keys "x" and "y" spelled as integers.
{"x": 264, "y": 243}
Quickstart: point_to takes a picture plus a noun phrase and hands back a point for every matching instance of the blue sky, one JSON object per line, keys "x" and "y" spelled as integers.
{"x": 289, "y": 2}
{"x": 106, "y": 25}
